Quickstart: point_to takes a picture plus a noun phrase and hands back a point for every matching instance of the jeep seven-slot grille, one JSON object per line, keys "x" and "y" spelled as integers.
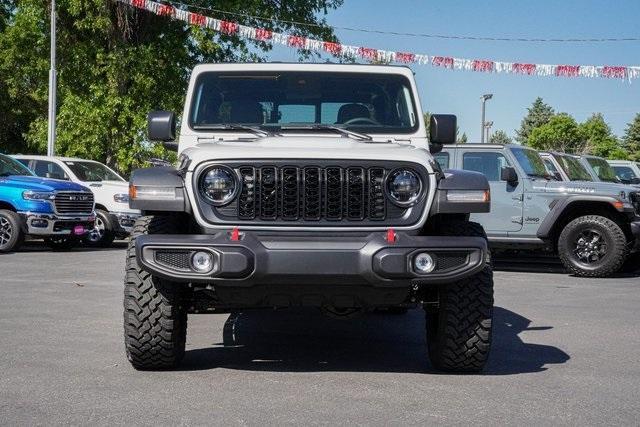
{"x": 74, "y": 202}
{"x": 311, "y": 193}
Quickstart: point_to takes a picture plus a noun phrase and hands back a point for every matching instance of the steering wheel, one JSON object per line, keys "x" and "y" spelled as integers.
{"x": 363, "y": 120}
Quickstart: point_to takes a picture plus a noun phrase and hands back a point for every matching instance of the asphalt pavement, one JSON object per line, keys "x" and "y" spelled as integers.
{"x": 566, "y": 350}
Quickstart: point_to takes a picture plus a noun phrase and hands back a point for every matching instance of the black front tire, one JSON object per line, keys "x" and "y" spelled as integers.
{"x": 459, "y": 325}
{"x": 103, "y": 234}
{"x": 611, "y": 248}
{"x": 155, "y": 321}
{"x": 11, "y": 234}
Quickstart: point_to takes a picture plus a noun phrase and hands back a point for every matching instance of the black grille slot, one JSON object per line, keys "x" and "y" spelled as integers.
{"x": 74, "y": 203}
{"x": 449, "y": 260}
{"x": 376, "y": 194}
{"x": 290, "y": 193}
{"x": 268, "y": 193}
{"x": 312, "y": 193}
{"x": 247, "y": 197}
{"x": 174, "y": 259}
{"x": 334, "y": 190}
{"x": 355, "y": 193}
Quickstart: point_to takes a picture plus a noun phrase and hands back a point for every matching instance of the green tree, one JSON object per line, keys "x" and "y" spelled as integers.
{"x": 561, "y": 133}
{"x": 426, "y": 116}
{"x": 500, "y": 137}
{"x": 631, "y": 139}
{"x": 537, "y": 115}
{"x": 116, "y": 63}
{"x": 462, "y": 139}
{"x": 600, "y": 140}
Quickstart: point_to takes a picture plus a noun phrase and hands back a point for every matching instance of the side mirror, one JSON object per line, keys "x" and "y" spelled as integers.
{"x": 635, "y": 181}
{"x": 509, "y": 174}
{"x": 161, "y": 126}
{"x": 442, "y": 129}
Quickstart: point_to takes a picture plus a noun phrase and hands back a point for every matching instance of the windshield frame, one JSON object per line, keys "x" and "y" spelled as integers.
{"x": 19, "y": 166}
{"x": 603, "y": 164}
{"x": 71, "y": 163}
{"x": 559, "y": 157}
{"x": 382, "y": 130}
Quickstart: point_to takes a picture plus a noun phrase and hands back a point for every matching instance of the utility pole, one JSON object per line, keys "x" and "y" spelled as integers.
{"x": 51, "y": 134}
{"x": 484, "y": 99}
{"x": 488, "y": 126}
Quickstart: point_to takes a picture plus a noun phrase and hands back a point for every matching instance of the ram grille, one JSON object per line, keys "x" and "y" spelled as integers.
{"x": 74, "y": 203}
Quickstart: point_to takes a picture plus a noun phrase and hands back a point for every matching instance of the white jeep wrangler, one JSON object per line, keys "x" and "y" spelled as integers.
{"x": 307, "y": 185}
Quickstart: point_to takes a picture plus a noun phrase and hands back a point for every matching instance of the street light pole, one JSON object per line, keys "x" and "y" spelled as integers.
{"x": 484, "y": 99}
{"x": 51, "y": 133}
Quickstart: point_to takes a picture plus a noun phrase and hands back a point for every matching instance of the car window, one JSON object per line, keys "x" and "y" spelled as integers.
{"x": 624, "y": 172}
{"x": 572, "y": 167}
{"x": 530, "y": 162}
{"x": 550, "y": 166}
{"x": 92, "y": 171}
{"x": 10, "y": 166}
{"x": 47, "y": 169}
{"x": 443, "y": 159}
{"x": 604, "y": 171}
{"x": 487, "y": 163}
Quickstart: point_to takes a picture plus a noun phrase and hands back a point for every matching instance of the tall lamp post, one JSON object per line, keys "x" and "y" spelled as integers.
{"x": 488, "y": 126}
{"x": 484, "y": 99}
{"x": 51, "y": 133}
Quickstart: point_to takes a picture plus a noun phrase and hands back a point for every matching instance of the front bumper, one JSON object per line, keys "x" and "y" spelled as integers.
{"x": 257, "y": 259}
{"x": 50, "y": 224}
{"x": 124, "y": 222}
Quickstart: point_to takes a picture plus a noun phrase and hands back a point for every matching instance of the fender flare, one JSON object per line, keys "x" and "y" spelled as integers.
{"x": 560, "y": 206}
{"x": 161, "y": 178}
{"x": 458, "y": 179}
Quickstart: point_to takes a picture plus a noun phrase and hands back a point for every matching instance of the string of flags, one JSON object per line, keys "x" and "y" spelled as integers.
{"x": 622, "y": 72}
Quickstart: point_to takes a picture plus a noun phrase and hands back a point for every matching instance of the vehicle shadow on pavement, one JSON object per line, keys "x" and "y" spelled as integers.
{"x": 550, "y": 264}
{"x": 304, "y": 340}
{"x": 40, "y": 246}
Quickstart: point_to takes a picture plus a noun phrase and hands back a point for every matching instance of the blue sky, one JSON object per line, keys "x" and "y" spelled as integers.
{"x": 458, "y": 92}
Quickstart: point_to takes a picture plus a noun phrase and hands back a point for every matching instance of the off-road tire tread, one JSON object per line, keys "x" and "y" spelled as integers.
{"x": 155, "y": 323}
{"x": 615, "y": 262}
{"x": 462, "y": 325}
{"x": 459, "y": 331}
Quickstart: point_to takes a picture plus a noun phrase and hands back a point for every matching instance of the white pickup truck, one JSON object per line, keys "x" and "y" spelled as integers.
{"x": 114, "y": 218}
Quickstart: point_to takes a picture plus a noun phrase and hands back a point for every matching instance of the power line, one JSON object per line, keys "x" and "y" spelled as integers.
{"x": 421, "y": 35}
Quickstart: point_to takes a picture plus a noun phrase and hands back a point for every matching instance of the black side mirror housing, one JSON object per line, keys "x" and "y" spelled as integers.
{"x": 443, "y": 129}
{"x": 509, "y": 174}
{"x": 161, "y": 126}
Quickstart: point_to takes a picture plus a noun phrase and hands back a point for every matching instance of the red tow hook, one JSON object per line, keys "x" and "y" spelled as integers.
{"x": 391, "y": 235}
{"x": 235, "y": 234}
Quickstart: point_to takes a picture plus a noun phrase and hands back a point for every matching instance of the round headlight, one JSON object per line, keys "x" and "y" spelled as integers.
{"x": 403, "y": 187}
{"x": 218, "y": 185}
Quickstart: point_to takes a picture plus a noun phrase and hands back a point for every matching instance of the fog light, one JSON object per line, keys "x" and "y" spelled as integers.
{"x": 423, "y": 263}
{"x": 202, "y": 262}
{"x": 39, "y": 223}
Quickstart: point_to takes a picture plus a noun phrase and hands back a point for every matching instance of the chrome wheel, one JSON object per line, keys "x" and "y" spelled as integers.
{"x": 590, "y": 246}
{"x": 6, "y": 231}
{"x": 97, "y": 233}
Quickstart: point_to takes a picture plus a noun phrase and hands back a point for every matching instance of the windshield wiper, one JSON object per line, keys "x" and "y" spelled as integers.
{"x": 231, "y": 126}
{"x": 346, "y": 132}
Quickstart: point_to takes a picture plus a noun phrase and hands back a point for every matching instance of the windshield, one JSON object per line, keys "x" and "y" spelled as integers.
{"x": 604, "y": 171}
{"x": 530, "y": 162}
{"x": 9, "y": 167}
{"x": 572, "y": 167}
{"x": 370, "y": 103}
{"x": 92, "y": 171}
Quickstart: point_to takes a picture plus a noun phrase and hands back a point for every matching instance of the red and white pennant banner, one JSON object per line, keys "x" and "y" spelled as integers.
{"x": 386, "y": 56}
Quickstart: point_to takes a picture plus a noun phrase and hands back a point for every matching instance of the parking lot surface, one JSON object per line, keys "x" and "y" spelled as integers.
{"x": 566, "y": 351}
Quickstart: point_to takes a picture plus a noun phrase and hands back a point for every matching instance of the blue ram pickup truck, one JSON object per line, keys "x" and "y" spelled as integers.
{"x": 61, "y": 212}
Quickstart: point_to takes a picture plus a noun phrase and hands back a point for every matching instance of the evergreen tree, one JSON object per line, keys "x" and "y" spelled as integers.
{"x": 537, "y": 115}
{"x": 500, "y": 137}
{"x": 462, "y": 139}
{"x": 600, "y": 140}
{"x": 631, "y": 139}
